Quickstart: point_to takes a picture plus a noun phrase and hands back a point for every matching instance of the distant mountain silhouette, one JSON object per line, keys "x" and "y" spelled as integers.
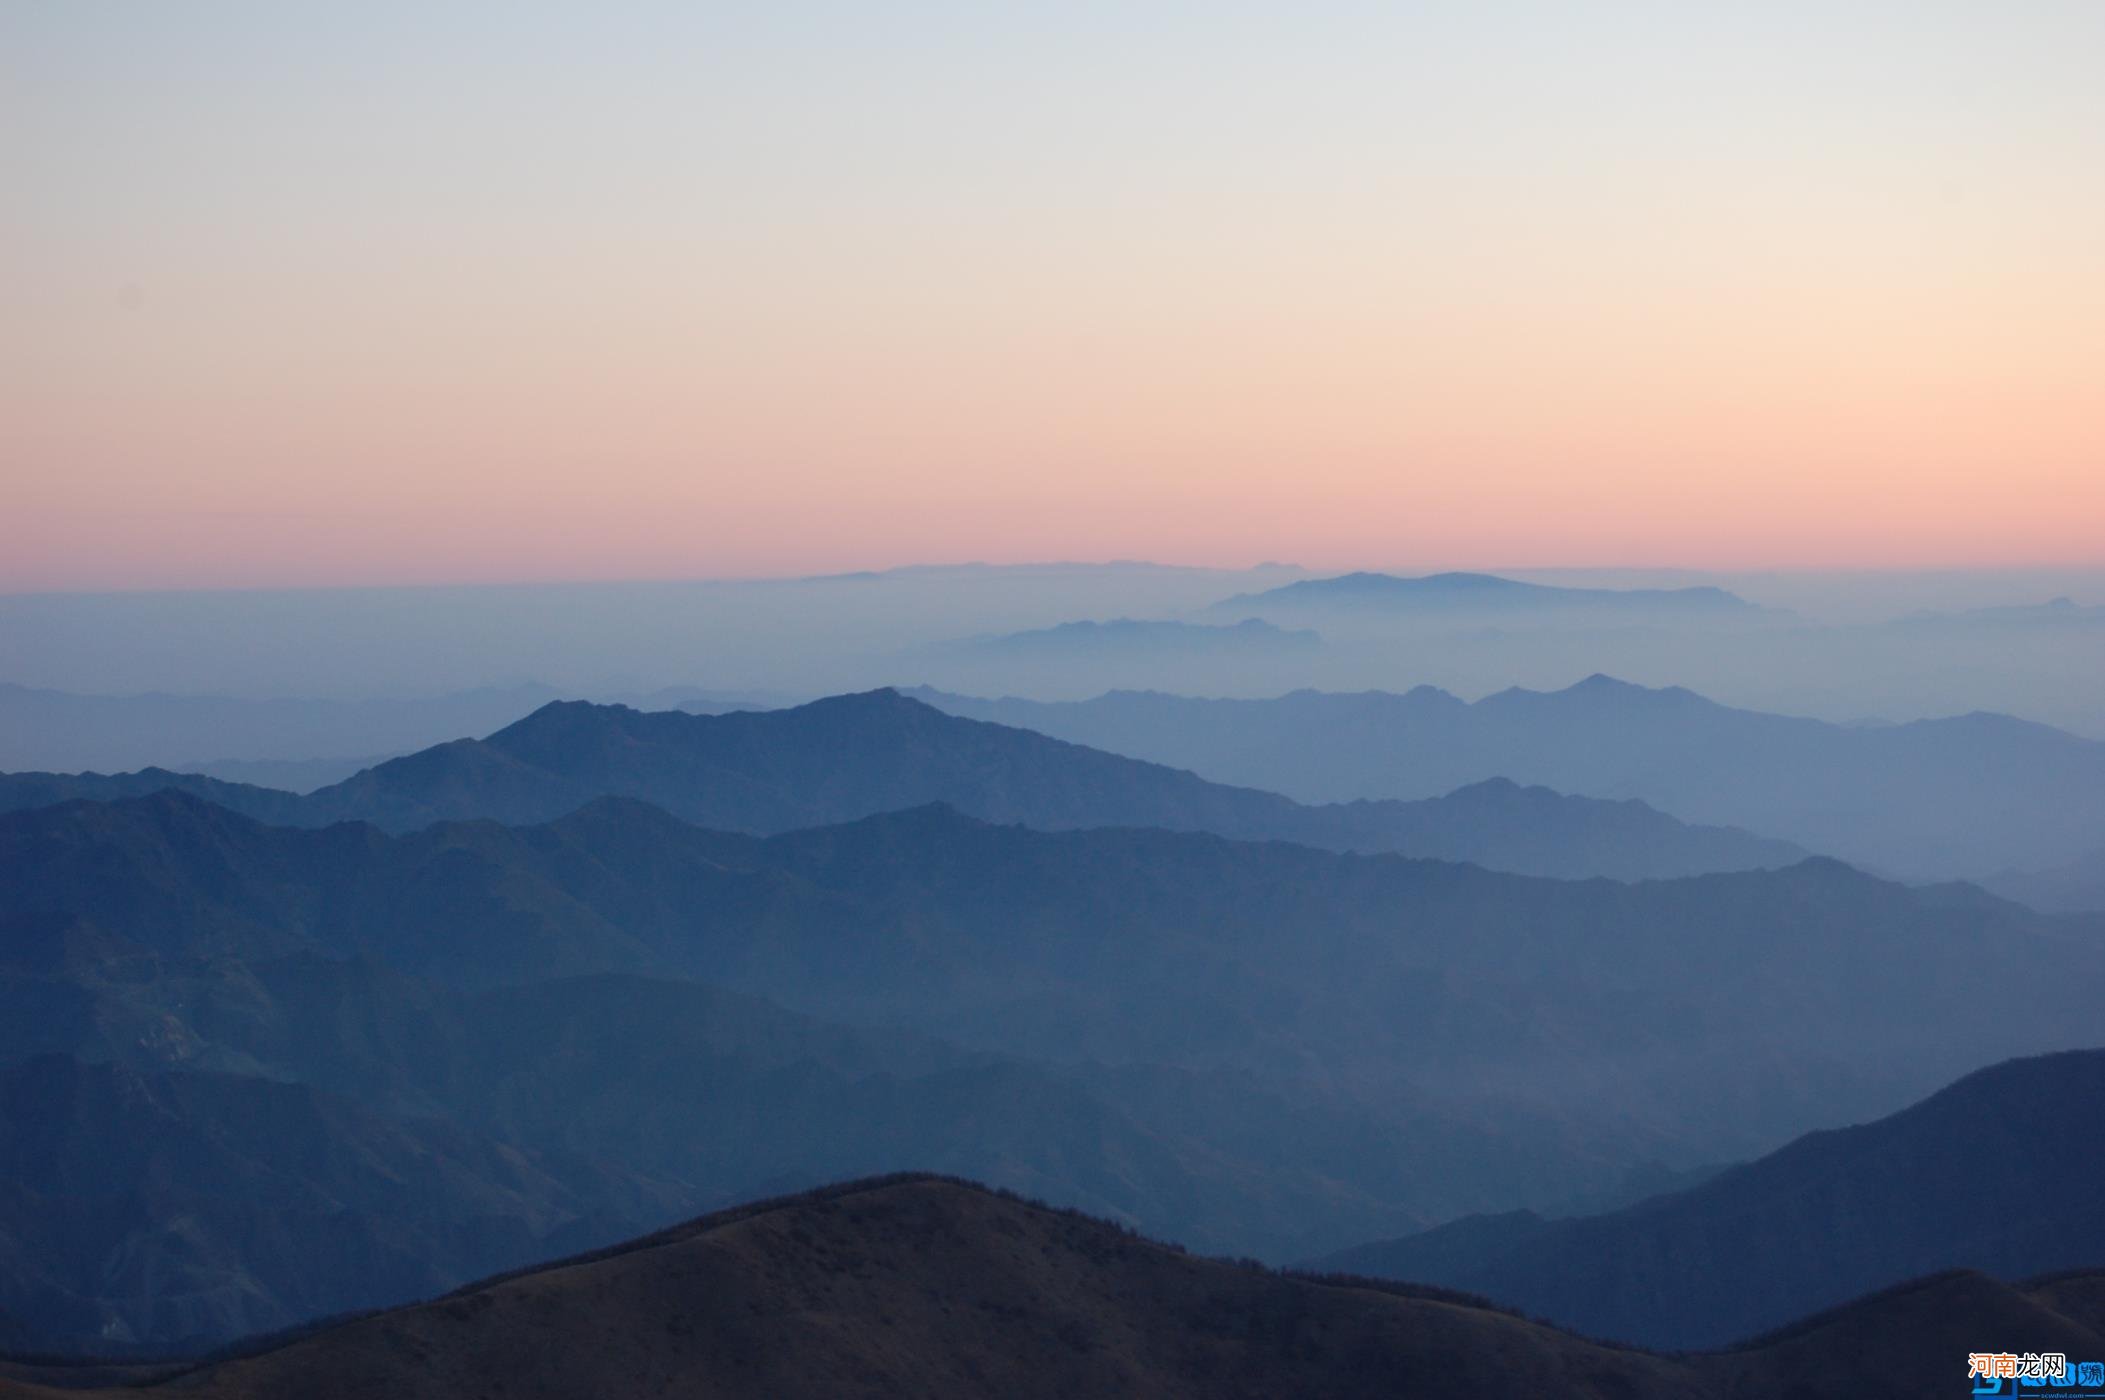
{"x": 832, "y": 760}
{"x": 1083, "y": 641}
{"x": 856, "y": 755}
{"x": 1533, "y": 831}
{"x": 1964, "y": 797}
{"x": 2060, "y": 613}
{"x": 2077, "y": 887}
{"x": 1464, "y": 592}
{"x": 286, "y": 774}
{"x": 978, "y": 570}
{"x": 1996, "y": 1173}
{"x": 931, "y": 1287}
{"x": 21, "y": 791}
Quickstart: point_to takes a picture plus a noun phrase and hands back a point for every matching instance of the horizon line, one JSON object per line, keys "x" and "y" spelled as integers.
{"x": 1418, "y": 570}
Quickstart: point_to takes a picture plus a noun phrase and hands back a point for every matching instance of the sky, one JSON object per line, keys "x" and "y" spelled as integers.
{"x": 302, "y": 295}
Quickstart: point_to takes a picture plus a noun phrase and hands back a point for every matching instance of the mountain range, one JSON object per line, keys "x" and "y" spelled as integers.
{"x": 182, "y": 1206}
{"x": 1253, "y": 1047}
{"x": 855, "y": 755}
{"x": 2056, "y": 613}
{"x": 925, "y": 1286}
{"x": 1969, "y": 796}
{"x": 1052, "y": 942}
{"x": 186, "y": 1137}
{"x": 1995, "y": 1173}
{"x": 2076, "y": 887}
{"x": 1125, "y": 637}
{"x": 1452, "y": 593}
{"x": 256, "y": 1071}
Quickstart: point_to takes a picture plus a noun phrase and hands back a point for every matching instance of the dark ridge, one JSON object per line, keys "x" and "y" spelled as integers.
{"x": 1699, "y": 1268}
{"x": 174, "y": 1370}
{"x": 183, "y": 1364}
{"x": 241, "y": 1348}
{"x": 1813, "y": 1322}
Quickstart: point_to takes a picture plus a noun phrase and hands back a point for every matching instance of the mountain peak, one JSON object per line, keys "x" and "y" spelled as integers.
{"x": 1605, "y": 686}
{"x": 885, "y": 698}
{"x": 553, "y": 722}
{"x": 919, "y": 821}
{"x": 1602, "y": 687}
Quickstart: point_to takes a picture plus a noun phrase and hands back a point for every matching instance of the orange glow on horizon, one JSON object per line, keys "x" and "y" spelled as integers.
{"x": 1350, "y": 292}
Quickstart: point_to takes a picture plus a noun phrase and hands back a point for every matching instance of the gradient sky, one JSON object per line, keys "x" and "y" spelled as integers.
{"x": 393, "y": 292}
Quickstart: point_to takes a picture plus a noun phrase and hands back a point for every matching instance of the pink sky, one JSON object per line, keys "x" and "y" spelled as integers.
{"x": 1687, "y": 292}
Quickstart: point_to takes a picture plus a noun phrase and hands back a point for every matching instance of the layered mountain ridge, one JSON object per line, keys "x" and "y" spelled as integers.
{"x": 857, "y": 755}
{"x": 1963, "y": 797}
{"x": 1256, "y": 1048}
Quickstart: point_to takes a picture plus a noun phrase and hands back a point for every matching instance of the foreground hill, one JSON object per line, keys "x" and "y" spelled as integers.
{"x": 856, "y": 755}
{"x": 936, "y": 1288}
{"x": 1963, "y": 797}
{"x": 1998, "y": 1173}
